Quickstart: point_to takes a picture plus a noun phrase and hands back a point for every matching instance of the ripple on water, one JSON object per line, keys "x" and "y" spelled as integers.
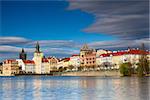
{"x": 74, "y": 88}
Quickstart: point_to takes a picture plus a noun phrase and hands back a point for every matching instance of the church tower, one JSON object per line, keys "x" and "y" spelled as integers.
{"x": 22, "y": 55}
{"x": 38, "y": 55}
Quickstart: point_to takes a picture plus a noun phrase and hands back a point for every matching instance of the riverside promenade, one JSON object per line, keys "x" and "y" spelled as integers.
{"x": 93, "y": 73}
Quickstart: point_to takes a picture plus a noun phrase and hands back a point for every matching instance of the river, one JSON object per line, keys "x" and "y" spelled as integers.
{"x": 74, "y": 88}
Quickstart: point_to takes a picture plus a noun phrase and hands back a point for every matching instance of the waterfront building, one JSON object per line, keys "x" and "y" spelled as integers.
{"x": 21, "y": 65}
{"x": 22, "y": 55}
{"x": 114, "y": 59}
{"x": 60, "y": 64}
{"x": 63, "y": 63}
{"x": 66, "y": 62}
{"x": 102, "y": 51}
{"x": 38, "y": 55}
{"x": 87, "y": 57}
{"x": 104, "y": 61}
{"x": 10, "y": 67}
{"x": 53, "y": 61}
{"x": 29, "y": 66}
{"x": 75, "y": 61}
{"x": 45, "y": 68}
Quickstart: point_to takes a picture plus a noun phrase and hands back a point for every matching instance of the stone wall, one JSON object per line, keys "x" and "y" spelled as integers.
{"x": 93, "y": 73}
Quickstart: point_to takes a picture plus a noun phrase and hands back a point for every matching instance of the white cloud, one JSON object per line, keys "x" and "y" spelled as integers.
{"x": 13, "y": 40}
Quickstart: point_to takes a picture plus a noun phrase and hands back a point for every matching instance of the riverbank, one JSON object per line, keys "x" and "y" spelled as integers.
{"x": 112, "y": 73}
{"x": 93, "y": 73}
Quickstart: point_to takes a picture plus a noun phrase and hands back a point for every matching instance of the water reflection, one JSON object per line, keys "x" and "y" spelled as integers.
{"x": 74, "y": 88}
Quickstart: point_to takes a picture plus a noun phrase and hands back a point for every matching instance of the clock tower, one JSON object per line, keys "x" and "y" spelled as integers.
{"x": 38, "y": 55}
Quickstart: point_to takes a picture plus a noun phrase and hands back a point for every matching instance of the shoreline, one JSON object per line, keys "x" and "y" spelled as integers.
{"x": 114, "y": 73}
{"x": 94, "y": 73}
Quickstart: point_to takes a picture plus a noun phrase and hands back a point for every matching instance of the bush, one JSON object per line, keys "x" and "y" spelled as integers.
{"x": 140, "y": 71}
{"x": 125, "y": 69}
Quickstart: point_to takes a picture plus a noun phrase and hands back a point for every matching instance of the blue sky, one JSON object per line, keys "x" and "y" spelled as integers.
{"x": 62, "y": 27}
{"x": 47, "y": 20}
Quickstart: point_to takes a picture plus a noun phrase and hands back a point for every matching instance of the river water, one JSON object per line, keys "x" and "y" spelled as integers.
{"x": 74, "y": 88}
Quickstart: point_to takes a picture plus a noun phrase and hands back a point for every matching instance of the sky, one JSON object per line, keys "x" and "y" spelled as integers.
{"x": 63, "y": 26}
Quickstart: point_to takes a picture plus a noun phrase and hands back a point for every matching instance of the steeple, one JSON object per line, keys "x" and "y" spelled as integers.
{"x": 22, "y": 55}
{"x": 22, "y": 50}
{"x": 37, "y": 47}
{"x": 85, "y": 47}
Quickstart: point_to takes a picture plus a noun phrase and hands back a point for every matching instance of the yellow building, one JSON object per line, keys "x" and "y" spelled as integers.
{"x": 117, "y": 57}
{"x": 53, "y": 61}
{"x": 87, "y": 57}
{"x": 10, "y": 67}
{"x": 74, "y": 61}
{"x": 45, "y": 69}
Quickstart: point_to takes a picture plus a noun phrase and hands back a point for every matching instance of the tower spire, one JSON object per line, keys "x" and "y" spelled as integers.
{"x": 37, "y": 47}
{"x": 22, "y": 55}
{"x": 22, "y": 50}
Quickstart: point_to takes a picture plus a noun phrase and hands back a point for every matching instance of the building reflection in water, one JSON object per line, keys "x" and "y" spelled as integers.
{"x": 37, "y": 86}
{"x": 74, "y": 88}
{"x": 87, "y": 87}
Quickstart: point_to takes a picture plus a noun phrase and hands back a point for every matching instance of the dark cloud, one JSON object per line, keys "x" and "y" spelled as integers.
{"x": 126, "y": 19}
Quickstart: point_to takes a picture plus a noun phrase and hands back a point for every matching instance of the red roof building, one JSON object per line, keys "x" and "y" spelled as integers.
{"x": 28, "y": 61}
{"x": 44, "y": 60}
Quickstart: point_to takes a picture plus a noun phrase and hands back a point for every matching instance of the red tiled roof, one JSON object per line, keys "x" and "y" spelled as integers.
{"x": 74, "y": 55}
{"x": 44, "y": 60}
{"x": 119, "y": 53}
{"x": 105, "y": 55}
{"x": 28, "y": 62}
{"x": 10, "y": 60}
{"x": 49, "y": 57}
{"x": 138, "y": 52}
{"x": 65, "y": 59}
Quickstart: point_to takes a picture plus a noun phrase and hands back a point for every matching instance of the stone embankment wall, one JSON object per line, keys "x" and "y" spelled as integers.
{"x": 93, "y": 73}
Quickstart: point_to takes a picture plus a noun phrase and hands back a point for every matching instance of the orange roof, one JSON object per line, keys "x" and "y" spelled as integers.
{"x": 44, "y": 60}
{"x": 65, "y": 59}
{"x": 119, "y": 53}
{"x": 28, "y": 62}
{"x": 10, "y": 60}
{"x": 75, "y": 55}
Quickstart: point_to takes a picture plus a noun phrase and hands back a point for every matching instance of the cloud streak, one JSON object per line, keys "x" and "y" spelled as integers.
{"x": 123, "y": 44}
{"x": 13, "y": 41}
{"x": 61, "y": 48}
{"x": 11, "y": 46}
{"x": 126, "y": 19}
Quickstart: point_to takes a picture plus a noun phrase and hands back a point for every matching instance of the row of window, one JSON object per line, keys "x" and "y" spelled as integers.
{"x": 90, "y": 58}
{"x": 91, "y": 62}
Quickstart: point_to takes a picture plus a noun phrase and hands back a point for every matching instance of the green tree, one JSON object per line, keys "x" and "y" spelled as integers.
{"x": 143, "y": 65}
{"x": 125, "y": 69}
